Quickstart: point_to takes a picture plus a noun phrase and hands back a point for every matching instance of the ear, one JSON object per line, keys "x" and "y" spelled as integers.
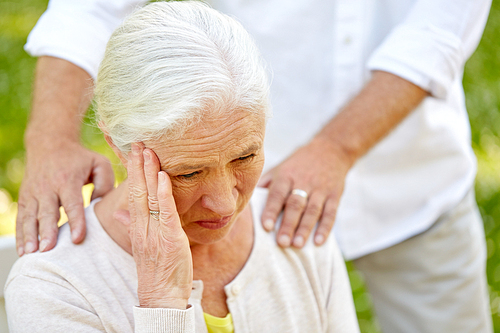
{"x": 110, "y": 142}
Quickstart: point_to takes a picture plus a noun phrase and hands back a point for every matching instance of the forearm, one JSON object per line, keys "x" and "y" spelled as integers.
{"x": 370, "y": 116}
{"x": 62, "y": 94}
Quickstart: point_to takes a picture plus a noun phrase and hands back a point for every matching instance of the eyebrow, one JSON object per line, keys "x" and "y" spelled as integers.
{"x": 178, "y": 169}
{"x": 252, "y": 148}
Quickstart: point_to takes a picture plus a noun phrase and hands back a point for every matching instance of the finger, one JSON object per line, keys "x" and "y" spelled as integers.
{"x": 19, "y": 234}
{"x": 151, "y": 169}
{"x": 72, "y": 201}
{"x": 26, "y": 215}
{"x": 295, "y": 205}
{"x": 122, "y": 216}
{"x": 265, "y": 179}
{"x": 48, "y": 216}
{"x": 102, "y": 177}
{"x": 327, "y": 220}
{"x": 138, "y": 183}
{"x": 168, "y": 211}
{"x": 138, "y": 201}
{"x": 131, "y": 208}
{"x": 278, "y": 192}
{"x": 309, "y": 219}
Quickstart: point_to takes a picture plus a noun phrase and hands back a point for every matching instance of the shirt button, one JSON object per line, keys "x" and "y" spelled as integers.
{"x": 347, "y": 40}
{"x": 235, "y": 289}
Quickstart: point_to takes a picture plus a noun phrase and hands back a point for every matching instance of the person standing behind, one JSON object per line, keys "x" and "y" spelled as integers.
{"x": 365, "y": 93}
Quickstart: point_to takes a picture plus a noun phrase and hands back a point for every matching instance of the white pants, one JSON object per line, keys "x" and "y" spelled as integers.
{"x": 435, "y": 281}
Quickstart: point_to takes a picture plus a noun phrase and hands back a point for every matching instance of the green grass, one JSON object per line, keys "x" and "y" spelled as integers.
{"x": 482, "y": 87}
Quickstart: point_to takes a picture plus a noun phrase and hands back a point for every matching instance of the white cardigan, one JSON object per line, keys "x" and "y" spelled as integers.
{"x": 92, "y": 288}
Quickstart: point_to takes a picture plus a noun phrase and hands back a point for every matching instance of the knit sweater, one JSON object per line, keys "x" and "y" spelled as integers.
{"x": 92, "y": 287}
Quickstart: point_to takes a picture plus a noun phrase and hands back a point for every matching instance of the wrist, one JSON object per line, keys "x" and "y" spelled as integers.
{"x": 164, "y": 297}
{"x": 164, "y": 303}
{"x": 336, "y": 148}
{"x": 49, "y": 136}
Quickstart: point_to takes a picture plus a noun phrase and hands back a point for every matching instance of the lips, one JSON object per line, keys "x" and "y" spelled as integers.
{"x": 214, "y": 224}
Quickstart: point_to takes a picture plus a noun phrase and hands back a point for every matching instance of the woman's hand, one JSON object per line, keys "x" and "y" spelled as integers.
{"x": 159, "y": 245}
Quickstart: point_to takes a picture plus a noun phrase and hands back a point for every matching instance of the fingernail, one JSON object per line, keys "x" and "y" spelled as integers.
{"x": 30, "y": 247}
{"x": 20, "y": 251}
{"x": 161, "y": 177}
{"x": 74, "y": 235}
{"x": 284, "y": 240}
{"x": 147, "y": 158}
{"x": 43, "y": 245}
{"x": 268, "y": 224}
{"x": 319, "y": 239}
{"x": 298, "y": 241}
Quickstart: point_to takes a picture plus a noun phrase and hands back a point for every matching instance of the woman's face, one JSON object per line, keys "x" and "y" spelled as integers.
{"x": 214, "y": 169}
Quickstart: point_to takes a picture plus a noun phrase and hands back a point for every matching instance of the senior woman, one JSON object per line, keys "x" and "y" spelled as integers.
{"x": 181, "y": 97}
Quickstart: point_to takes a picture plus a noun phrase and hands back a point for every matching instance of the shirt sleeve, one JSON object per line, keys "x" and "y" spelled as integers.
{"x": 430, "y": 47}
{"x": 37, "y": 305}
{"x": 339, "y": 302}
{"x": 154, "y": 320}
{"x": 77, "y": 30}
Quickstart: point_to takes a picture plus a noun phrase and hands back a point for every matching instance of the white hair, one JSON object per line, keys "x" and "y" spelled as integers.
{"x": 168, "y": 64}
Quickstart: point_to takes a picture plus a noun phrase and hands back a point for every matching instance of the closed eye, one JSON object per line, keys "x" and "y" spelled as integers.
{"x": 243, "y": 158}
{"x": 189, "y": 175}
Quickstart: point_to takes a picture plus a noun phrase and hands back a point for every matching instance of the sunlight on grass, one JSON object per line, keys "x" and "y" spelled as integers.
{"x": 481, "y": 83}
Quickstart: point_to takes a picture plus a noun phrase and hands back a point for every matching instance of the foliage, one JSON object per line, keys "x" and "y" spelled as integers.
{"x": 481, "y": 83}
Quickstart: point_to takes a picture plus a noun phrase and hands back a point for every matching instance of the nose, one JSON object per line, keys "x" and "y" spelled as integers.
{"x": 221, "y": 195}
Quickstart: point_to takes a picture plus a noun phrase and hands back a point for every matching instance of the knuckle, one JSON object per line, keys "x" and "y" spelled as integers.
{"x": 277, "y": 197}
{"x": 314, "y": 209}
{"x": 48, "y": 230}
{"x": 303, "y": 230}
{"x": 30, "y": 231}
{"x": 289, "y": 224}
{"x": 326, "y": 223}
{"x": 60, "y": 181}
{"x": 26, "y": 218}
{"x": 323, "y": 230}
{"x": 19, "y": 233}
{"x": 73, "y": 207}
{"x": 139, "y": 193}
{"x": 44, "y": 216}
{"x": 295, "y": 204}
{"x": 139, "y": 239}
{"x": 328, "y": 216}
{"x": 153, "y": 199}
{"x": 167, "y": 216}
{"x": 287, "y": 229}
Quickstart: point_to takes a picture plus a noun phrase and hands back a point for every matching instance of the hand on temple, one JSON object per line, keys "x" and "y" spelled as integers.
{"x": 159, "y": 244}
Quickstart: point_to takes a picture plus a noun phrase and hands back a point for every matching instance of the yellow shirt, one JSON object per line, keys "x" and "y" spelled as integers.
{"x": 219, "y": 325}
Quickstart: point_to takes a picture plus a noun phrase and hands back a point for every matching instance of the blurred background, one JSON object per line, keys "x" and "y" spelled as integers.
{"x": 482, "y": 89}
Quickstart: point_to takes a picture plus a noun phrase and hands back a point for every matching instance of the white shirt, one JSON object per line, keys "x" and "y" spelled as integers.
{"x": 92, "y": 287}
{"x": 321, "y": 54}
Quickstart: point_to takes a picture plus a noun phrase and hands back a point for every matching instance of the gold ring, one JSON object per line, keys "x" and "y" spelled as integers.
{"x": 155, "y": 214}
{"x": 300, "y": 193}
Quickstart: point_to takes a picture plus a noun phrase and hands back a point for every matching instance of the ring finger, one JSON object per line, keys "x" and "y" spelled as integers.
{"x": 310, "y": 218}
{"x": 294, "y": 207}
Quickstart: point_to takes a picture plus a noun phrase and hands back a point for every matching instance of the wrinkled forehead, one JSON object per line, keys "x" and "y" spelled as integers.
{"x": 212, "y": 136}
